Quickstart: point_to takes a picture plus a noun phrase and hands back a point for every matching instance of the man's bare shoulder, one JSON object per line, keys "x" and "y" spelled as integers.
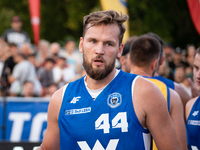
{"x": 56, "y": 99}
{"x": 147, "y": 94}
{"x": 146, "y": 87}
{"x": 191, "y": 102}
{"x": 58, "y": 94}
{"x": 189, "y": 105}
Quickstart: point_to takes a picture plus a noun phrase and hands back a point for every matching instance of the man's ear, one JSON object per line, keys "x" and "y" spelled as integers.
{"x": 120, "y": 50}
{"x": 81, "y": 45}
{"x": 162, "y": 59}
{"x": 154, "y": 64}
{"x": 121, "y": 60}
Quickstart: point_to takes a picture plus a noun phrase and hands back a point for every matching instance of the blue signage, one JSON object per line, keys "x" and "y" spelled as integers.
{"x": 26, "y": 119}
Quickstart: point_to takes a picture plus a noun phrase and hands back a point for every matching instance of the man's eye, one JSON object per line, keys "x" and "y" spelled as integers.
{"x": 108, "y": 44}
{"x": 196, "y": 68}
{"x": 93, "y": 41}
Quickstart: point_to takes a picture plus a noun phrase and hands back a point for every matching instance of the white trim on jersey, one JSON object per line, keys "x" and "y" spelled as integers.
{"x": 146, "y": 136}
{"x": 64, "y": 88}
{"x": 95, "y": 93}
{"x": 147, "y": 140}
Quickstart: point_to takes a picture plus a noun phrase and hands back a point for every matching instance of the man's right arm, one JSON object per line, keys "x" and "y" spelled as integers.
{"x": 150, "y": 104}
{"x": 51, "y": 140}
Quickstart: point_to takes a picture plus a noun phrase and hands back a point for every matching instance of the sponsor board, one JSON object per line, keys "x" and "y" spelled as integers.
{"x": 25, "y": 119}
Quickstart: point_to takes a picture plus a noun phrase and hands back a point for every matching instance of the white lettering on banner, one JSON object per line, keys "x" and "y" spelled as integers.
{"x": 19, "y": 118}
{"x": 36, "y": 127}
{"x": 18, "y": 124}
{"x": 111, "y": 145}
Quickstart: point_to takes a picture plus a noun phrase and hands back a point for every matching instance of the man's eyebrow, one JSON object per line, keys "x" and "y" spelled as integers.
{"x": 109, "y": 41}
{"x": 195, "y": 66}
{"x": 91, "y": 38}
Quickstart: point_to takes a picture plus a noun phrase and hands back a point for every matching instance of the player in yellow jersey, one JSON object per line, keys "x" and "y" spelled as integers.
{"x": 144, "y": 54}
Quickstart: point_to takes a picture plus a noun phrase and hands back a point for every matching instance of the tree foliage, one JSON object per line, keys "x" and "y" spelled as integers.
{"x": 64, "y": 18}
{"x": 169, "y": 19}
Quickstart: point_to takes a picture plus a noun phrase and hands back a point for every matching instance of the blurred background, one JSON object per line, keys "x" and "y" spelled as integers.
{"x": 51, "y": 57}
{"x": 63, "y": 19}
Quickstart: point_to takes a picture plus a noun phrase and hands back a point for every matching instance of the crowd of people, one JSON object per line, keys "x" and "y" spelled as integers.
{"x": 29, "y": 71}
{"x": 55, "y": 64}
{"x": 150, "y": 96}
{"x": 178, "y": 65}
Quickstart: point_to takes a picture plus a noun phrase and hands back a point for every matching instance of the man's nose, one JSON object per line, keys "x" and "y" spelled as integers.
{"x": 198, "y": 74}
{"x": 99, "y": 49}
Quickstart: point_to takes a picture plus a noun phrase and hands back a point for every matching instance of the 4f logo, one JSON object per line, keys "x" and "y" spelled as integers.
{"x": 195, "y": 113}
{"x": 75, "y": 99}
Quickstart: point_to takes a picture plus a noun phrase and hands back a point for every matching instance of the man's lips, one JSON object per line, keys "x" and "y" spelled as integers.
{"x": 98, "y": 62}
{"x": 198, "y": 82}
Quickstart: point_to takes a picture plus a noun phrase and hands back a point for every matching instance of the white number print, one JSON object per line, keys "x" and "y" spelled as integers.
{"x": 119, "y": 121}
{"x": 194, "y": 148}
{"x": 123, "y": 124}
{"x": 103, "y": 123}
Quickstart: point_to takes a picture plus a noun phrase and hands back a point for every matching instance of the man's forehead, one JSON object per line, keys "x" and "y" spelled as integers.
{"x": 197, "y": 59}
{"x": 111, "y": 30}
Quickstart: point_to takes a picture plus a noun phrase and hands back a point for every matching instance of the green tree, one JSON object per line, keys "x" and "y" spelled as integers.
{"x": 169, "y": 19}
{"x": 64, "y": 18}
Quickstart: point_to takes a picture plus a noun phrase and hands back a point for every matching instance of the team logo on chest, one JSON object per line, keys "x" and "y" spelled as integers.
{"x": 114, "y": 100}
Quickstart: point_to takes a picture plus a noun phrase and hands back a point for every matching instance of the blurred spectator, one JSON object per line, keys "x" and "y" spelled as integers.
{"x": 9, "y": 62}
{"x": 177, "y": 60}
{"x": 45, "y": 74}
{"x": 61, "y": 73}
{"x": 54, "y": 50}
{"x": 42, "y": 52}
{"x": 168, "y": 52}
{"x": 51, "y": 89}
{"x": 28, "y": 90}
{"x": 73, "y": 57}
{"x": 190, "y": 54}
{"x": 185, "y": 83}
{"x": 124, "y": 58}
{"x": 165, "y": 71}
{"x": 23, "y": 71}
{"x": 26, "y": 49}
{"x": 4, "y": 55}
{"x": 179, "y": 74}
{"x": 33, "y": 60}
{"x": 15, "y": 34}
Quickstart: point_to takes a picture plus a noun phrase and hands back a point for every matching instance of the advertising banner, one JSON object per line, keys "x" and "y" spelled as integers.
{"x": 26, "y": 119}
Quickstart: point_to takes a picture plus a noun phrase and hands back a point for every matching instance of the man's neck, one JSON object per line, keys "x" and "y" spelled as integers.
{"x": 97, "y": 84}
{"x": 141, "y": 71}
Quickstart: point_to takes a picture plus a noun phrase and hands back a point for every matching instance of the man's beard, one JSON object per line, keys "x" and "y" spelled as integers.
{"x": 97, "y": 73}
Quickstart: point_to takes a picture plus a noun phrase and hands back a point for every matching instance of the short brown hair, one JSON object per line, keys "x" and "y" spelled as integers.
{"x": 144, "y": 50}
{"x": 106, "y": 17}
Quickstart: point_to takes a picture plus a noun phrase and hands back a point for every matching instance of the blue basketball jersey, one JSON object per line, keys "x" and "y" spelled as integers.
{"x": 193, "y": 126}
{"x": 107, "y": 123}
{"x": 168, "y": 82}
